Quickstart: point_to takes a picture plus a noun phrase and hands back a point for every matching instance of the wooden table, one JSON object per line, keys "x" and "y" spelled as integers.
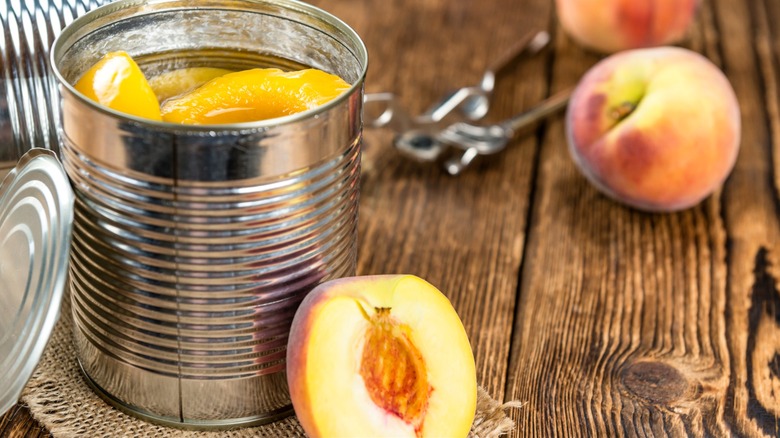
{"x": 606, "y": 321}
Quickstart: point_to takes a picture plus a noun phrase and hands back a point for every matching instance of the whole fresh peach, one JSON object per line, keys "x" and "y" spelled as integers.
{"x": 658, "y": 129}
{"x": 613, "y": 25}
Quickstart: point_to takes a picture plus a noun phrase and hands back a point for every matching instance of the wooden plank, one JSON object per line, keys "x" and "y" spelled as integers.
{"x": 751, "y": 214}
{"x": 17, "y": 423}
{"x": 634, "y": 324}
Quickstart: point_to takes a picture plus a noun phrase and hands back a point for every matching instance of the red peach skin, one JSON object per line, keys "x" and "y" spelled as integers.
{"x": 658, "y": 129}
{"x": 612, "y": 25}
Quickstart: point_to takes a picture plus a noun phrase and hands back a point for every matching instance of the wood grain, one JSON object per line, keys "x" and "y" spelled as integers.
{"x": 666, "y": 325}
{"x": 17, "y": 423}
{"x": 752, "y": 222}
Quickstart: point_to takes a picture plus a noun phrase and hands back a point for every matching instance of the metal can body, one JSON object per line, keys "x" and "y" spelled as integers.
{"x": 193, "y": 246}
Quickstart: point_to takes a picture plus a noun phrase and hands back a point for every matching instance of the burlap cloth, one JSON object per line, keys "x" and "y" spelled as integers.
{"x": 59, "y": 398}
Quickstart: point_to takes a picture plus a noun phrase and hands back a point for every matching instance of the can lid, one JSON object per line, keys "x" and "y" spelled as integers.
{"x": 36, "y": 212}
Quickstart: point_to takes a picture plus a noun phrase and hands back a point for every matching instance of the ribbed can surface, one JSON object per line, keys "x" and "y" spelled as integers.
{"x": 27, "y": 117}
{"x": 193, "y": 246}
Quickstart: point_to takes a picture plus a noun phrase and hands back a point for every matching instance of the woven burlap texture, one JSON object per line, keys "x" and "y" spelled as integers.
{"x": 59, "y": 398}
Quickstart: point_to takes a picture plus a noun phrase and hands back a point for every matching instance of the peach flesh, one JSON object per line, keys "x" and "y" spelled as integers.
{"x": 117, "y": 82}
{"x": 380, "y": 356}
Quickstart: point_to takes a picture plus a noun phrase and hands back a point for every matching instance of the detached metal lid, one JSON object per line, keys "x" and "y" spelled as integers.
{"x": 36, "y": 212}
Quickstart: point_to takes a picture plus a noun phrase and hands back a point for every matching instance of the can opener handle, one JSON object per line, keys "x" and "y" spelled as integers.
{"x": 431, "y": 135}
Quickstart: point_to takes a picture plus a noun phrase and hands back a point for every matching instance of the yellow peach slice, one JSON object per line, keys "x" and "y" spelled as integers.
{"x": 252, "y": 95}
{"x": 380, "y": 356}
{"x": 117, "y": 82}
{"x": 177, "y": 82}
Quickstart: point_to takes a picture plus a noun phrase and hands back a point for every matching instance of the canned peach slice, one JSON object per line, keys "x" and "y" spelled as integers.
{"x": 177, "y": 82}
{"x": 118, "y": 83}
{"x": 252, "y": 95}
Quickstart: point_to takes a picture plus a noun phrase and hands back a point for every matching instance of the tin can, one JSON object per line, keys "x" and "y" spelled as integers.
{"x": 193, "y": 245}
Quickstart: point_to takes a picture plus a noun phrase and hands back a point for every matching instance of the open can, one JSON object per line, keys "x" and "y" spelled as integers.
{"x": 193, "y": 245}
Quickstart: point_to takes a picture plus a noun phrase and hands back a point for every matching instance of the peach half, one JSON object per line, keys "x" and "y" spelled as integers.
{"x": 658, "y": 129}
{"x": 251, "y": 95}
{"x": 380, "y": 356}
{"x": 117, "y": 82}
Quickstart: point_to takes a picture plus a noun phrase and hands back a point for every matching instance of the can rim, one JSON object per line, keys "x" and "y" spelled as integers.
{"x": 294, "y": 5}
